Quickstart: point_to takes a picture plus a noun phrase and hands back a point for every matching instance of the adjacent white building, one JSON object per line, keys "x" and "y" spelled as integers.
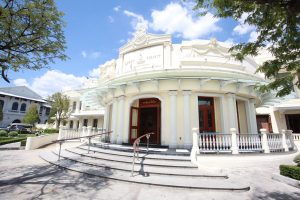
{"x": 168, "y": 89}
{"x": 17, "y": 100}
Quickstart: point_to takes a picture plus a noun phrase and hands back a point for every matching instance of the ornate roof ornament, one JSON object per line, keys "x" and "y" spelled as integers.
{"x": 213, "y": 43}
{"x": 140, "y": 37}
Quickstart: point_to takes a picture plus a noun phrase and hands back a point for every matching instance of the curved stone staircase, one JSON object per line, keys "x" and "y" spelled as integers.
{"x": 152, "y": 168}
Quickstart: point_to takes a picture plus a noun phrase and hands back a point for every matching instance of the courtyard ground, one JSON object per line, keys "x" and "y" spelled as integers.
{"x": 24, "y": 175}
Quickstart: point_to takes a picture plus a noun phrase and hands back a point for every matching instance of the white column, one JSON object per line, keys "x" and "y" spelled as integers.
{"x": 232, "y": 113}
{"x": 120, "y": 119}
{"x": 252, "y": 116}
{"x": 173, "y": 117}
{"x": 114, "y": 120}
{"x": 186, "y": 119}
{"x": 77, "y": 106}
{"x": 106, "y": 118}
{"x": 224, "y": 120}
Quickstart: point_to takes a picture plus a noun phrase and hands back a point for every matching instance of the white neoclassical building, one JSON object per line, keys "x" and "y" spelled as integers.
{"x": 168, "y": 89}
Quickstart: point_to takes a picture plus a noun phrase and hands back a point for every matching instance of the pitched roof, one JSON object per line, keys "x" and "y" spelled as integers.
{"x": 21, "y": 92}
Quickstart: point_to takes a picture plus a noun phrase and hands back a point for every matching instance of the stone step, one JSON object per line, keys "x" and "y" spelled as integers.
{"x": 138, "y": 168}
{"x": 130, "y": 154}
{"x": 159, "y": 151}
{"x": 203, "y": 183}
{"x": 144, "y": 161}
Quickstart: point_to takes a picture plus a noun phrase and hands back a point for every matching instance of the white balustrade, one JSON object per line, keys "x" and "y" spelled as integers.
{"x": 275, "y": 142}
{"x": 296, "y": 136}
{"x": 214, "y": 142}
{"x": 66, "y": 133}
{"x": 249, "y": 142}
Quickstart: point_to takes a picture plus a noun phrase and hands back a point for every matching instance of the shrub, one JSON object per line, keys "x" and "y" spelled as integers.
{"x": 290, "y": 171}
{"x": 3, "y": 133}
{"x": 13, "y": 134}
{"x": 51, "y": 130}
{"x": 297, "y": 160}
{"x": 23, "y": 143}
{"x": 10, "y": 140}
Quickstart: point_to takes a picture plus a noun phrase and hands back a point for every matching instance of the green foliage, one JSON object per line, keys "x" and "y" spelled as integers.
{"x": 23, "y": 143}
{"x": 32, "y": 115}
{"x": 60, "y": 104}
{"x": 277, "y": 24}
{"x": 10, "y": 140}
{"x": 290, "y": 171}
{"x": 31, "y": 35}
{"x": 297, "y": 160}
{"x": 13, "y": 134}
{"x": 51, "y": 130}
{"x": 3, "y": 133}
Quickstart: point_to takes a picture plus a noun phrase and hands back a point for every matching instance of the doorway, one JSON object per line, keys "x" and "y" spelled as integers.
{"x": 206, "y": 114}
{"x": 145, "y": 118}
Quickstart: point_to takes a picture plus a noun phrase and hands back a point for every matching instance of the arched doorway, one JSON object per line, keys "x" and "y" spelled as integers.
{"x": 145, "y": 117}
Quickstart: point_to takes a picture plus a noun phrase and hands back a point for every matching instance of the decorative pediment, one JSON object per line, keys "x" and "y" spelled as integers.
{"x": 142, "y": 39}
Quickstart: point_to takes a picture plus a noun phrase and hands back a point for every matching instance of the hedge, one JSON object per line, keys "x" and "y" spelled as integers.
{"x": 290, "y": 171}
{"x": 10, "y": 140}
{"x": 51, "y": 130}
{"x": 13, "y": 134}
{"x": 3, "y": 133}
{"x": 297, "y": 160}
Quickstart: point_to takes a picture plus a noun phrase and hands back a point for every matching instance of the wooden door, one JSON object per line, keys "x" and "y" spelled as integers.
{"x": 134, "y": 123}
{"x": 206, "y": 115}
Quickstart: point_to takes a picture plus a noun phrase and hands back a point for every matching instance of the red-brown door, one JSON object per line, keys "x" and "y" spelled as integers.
{"x": 206, "y": 114}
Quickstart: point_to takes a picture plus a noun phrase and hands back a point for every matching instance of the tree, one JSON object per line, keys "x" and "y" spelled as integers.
{"x": 32, "y": 115}
{"x": 31, "y": 35}
{"x": 277, "y": 24}
{"x": 59, "y": 107}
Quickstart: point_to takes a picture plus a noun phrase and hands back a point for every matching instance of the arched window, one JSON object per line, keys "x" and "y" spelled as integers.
{"x": 23, "y": 107}
{"x": 15, "y": 106}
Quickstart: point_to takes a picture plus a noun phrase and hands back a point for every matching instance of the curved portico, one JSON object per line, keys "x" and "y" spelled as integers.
{"x": 195, "y": 84}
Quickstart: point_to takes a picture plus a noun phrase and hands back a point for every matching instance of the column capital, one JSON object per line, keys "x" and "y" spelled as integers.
{"x": 121, "y": 98}
{"x": 252, "y": 100}
{"x": 187, "y": 92}
{"x": 172, "y": 92}
{"x": 230, "y": 94}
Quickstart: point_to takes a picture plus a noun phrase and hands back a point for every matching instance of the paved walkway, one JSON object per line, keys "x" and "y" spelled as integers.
{"x": 24, "y": 175}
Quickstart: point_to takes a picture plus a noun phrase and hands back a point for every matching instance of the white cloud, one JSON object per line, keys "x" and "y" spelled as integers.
{"x": 176, "y": 19}
{"x": 52, "y": 81}
{"x": 137, "y": 21}
{"x": 117, "y": 8}
{"x": 92, "y": 54}
{"x": 111, "y": 19}
{"x": 21, "y": 82}
{"x": 243, "y": 28}
{"x": 253, "y": 36}
{"x": 95, "y": 72}
{"x": 229, "y": 42}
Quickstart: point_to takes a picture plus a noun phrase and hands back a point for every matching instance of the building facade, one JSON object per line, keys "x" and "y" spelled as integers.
{"x": 168, "y": 89}
{"x": 17, "y": 100}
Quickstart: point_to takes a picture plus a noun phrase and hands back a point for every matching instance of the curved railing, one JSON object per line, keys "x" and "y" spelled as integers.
{"x": 89, "y": 137}
{"x": 136, "y": 145}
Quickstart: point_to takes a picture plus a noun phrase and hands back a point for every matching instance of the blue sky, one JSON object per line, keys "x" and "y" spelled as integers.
{"x": 96, "y": 29}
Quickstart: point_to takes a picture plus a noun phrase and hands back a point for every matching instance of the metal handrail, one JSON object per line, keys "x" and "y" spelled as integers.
{"x": 136, "y": 145}
{"x": 61, "y": 141}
